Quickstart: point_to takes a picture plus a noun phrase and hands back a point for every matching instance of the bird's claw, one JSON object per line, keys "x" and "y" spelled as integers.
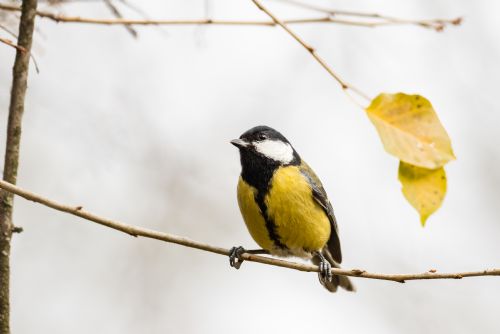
{"x": 325, "y": 270}
{"x": 235, "y": 259}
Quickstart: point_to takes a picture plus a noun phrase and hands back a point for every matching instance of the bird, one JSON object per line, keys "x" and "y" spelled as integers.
{"x": 285, "y": 207}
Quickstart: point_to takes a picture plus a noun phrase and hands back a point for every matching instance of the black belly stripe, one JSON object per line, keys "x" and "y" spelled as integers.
{"x": 258, "y": 172}
{"x": 270, "y": 225}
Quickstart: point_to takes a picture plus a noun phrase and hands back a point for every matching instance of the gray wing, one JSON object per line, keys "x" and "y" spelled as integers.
{"x": 321, "y": 198}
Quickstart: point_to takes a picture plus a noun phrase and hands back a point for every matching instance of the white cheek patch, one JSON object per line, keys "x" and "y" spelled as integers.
{"x": 276, "y": 150}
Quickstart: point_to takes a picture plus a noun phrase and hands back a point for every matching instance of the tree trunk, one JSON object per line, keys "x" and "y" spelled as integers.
{"x": 16, "y": 109}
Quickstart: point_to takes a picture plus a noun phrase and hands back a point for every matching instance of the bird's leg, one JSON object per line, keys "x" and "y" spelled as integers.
{"x": 325, "y": 268}
{"x": 235, "y": 259}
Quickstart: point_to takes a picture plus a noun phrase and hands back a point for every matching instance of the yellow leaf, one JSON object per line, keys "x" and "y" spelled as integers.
{"x": 423, "y": 188}
{"x": 410, "y": 129}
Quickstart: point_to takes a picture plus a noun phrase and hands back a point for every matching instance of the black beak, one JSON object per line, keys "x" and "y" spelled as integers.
{"x": 239, "y": 143}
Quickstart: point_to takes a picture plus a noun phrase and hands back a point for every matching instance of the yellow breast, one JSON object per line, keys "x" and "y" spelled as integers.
{"x": 252, "y": 216}
{"x": 301, "y": 222}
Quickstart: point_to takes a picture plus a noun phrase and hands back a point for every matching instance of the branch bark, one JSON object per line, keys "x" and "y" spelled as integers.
{"x": 16, "y": 110}
{"x": 10, "y": 43}
{"x": 116, "y": 12}
{"x": 147, "y": 233}
{"x": 381, "y": 20}
{"x": 129, "y": 22}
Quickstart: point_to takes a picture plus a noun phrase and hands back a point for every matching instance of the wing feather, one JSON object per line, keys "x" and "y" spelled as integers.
{"x": 320, "y": 196}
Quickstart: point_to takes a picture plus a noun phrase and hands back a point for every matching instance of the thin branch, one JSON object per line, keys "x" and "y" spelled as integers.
{"x": 345, "y": 86}
{"x": 10, "y": 43}
{"x": 116, "y": 12}
{"x": 8, "y": 31}
{"x": 12, "y": 149}
{"x": 20, "y": 48}
{"x": 435, "y": 24}
{"x": 138, "y": 10}
{"x": 77, "y": 19}
{"x": 135, "y": 8}
{"x": 147, "y": 233}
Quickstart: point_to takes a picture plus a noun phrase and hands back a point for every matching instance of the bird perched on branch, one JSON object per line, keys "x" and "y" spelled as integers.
{"x": 284, "y": 205}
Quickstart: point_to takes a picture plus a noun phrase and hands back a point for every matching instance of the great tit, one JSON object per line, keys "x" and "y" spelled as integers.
{"x": 285, "y": 206}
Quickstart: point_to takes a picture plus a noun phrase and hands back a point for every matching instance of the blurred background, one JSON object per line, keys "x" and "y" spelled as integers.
{"x": 138, "y": 130}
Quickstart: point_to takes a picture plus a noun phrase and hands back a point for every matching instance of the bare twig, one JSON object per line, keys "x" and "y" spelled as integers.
{"x": 147, "y": 233}
{"x": 116, "y": 12}
{"x": 77, "y": 19}
{"x": 380, "y": 20}
{"x": 135, "y": 8}
{"x": 8, "y": 31}
{"x": 20, "y": 48}
{"x": 345, "y": 86}
{"x": 12, "y": 148}
{"x": 10, "y": 43}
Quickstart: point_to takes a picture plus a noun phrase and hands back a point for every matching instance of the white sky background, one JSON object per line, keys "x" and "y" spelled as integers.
{"x": 138, "y": 130}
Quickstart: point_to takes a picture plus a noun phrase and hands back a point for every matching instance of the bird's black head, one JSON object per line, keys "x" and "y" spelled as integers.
{"x": 261, "y": 133}
{"x": 262, "y": 150}
{"x": 266, "y": 143}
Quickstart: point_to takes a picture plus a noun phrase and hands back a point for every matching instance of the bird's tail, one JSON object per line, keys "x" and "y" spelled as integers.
{"x": 336, "y": 281}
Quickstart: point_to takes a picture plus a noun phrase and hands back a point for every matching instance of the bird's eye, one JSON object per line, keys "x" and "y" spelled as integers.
{"x": 262, "y": 136}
